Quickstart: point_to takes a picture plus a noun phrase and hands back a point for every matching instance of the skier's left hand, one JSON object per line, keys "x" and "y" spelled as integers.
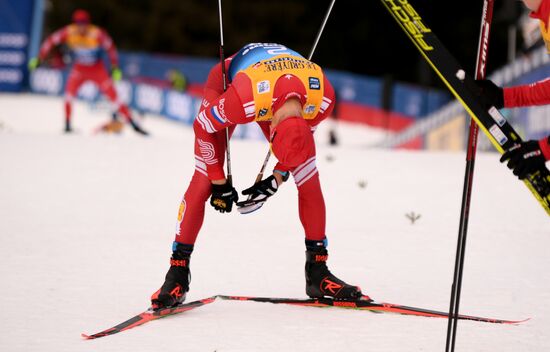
{"x": 258, "y": 195}
{"x": 525, "y": 158}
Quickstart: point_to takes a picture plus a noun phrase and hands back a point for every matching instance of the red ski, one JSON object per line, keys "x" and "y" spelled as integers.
{"x": 112, "y": 126}
{"x": 362, "y": 304}
{"x": 149, "y": 315}
{"x": 370, "y": 305}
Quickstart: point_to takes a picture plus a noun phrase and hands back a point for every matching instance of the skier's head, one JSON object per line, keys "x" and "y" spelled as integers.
{"x": 292, "y": 141}
{"x": 81, "y": 17}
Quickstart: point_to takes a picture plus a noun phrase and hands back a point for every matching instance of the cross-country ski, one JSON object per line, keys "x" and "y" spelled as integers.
{"x": 368, "y": 305}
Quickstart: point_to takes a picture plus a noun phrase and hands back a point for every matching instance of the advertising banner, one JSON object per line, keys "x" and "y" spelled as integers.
{"x": 15, "y": 29}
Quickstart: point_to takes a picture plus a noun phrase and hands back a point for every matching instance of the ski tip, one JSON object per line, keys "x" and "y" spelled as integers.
{"x": 86, "y": 337}
{"x": 520, "y": 321}
{"x": 508, "y": 322}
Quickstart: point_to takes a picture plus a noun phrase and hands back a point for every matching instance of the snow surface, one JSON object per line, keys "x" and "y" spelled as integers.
{"x": 87, "y": 222}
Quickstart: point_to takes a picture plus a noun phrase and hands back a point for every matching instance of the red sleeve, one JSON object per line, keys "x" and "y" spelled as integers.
{"x": 107, "y": 43}
{"x": 219, "y": 111}
{"x": 281, "y": 167}
{"x": 543, "y": 13}
{"x": 211, "y": 151}
{"x": 56, "y": 38}
{"x": 545, "y": 147}
{"x": 213, "y": 87}
{"x": 527, "y": 95}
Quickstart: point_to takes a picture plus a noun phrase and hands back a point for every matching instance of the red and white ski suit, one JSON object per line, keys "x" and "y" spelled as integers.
{"x": 240, "y": 104}
{"x": 86, "y": 48}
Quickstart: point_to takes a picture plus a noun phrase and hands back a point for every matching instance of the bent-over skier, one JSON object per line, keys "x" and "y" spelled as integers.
{"x": 288, "y": 96}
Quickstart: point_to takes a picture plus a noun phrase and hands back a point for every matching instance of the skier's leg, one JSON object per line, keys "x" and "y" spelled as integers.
{"x": 74, "y": 82}
{"x": 320, "y": 282}
{"x": 107, "y": 87}
{"x": 190, "y": 220}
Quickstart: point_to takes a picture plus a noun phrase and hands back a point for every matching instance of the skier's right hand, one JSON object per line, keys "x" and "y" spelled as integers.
{"x": 527, "y": 157}
{"x": 223, "y": 197}
{"x": 33, "y": 63}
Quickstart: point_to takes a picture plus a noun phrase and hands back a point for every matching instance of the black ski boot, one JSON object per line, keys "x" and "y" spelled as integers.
{"x": 320, "y": 282}
{"x": 68, "y": 128}
{"x": 176, "y": 283}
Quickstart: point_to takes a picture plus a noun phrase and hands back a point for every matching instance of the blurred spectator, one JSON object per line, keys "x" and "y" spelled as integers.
{"x": 86, "y": 43}
{"x": 177, "y": 80}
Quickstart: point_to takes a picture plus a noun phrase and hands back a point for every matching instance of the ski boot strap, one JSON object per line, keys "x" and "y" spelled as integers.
{"x": 316, "y": 245}
{"x": 316, "y": 257}
{"x": 316, "y": 251}
{"x": 181, "y": 253}
{"x": 181, "y": 262}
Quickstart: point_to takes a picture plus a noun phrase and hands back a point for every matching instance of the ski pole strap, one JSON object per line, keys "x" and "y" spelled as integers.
{"x": 182, "y": 248}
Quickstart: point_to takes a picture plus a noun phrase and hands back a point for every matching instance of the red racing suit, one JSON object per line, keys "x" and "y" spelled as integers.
{"x": 86, "y": 49}
{"x": 536, "y": 93}
{"x": 255, "y": 90}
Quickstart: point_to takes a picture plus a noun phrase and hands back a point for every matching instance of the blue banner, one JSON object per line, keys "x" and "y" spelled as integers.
{"x": 15, "y": 29}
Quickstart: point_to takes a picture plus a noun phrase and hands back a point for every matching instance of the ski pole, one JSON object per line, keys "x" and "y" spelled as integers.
{"x": 481, "y": 66}
{"x": 327, "y": 15}
{"x": 224, "y": 78}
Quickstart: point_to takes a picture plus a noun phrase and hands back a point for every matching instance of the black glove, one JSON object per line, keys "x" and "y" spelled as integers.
{"x": 263, "y": 189}
{"x": 223, "y": 197}
{"x": 258, "y": 194}
{"x": 491, "y": 94}
{"x": 524, "y": 158}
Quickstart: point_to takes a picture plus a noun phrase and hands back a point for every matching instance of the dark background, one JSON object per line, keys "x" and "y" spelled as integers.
{"x": 360, "y": 36}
